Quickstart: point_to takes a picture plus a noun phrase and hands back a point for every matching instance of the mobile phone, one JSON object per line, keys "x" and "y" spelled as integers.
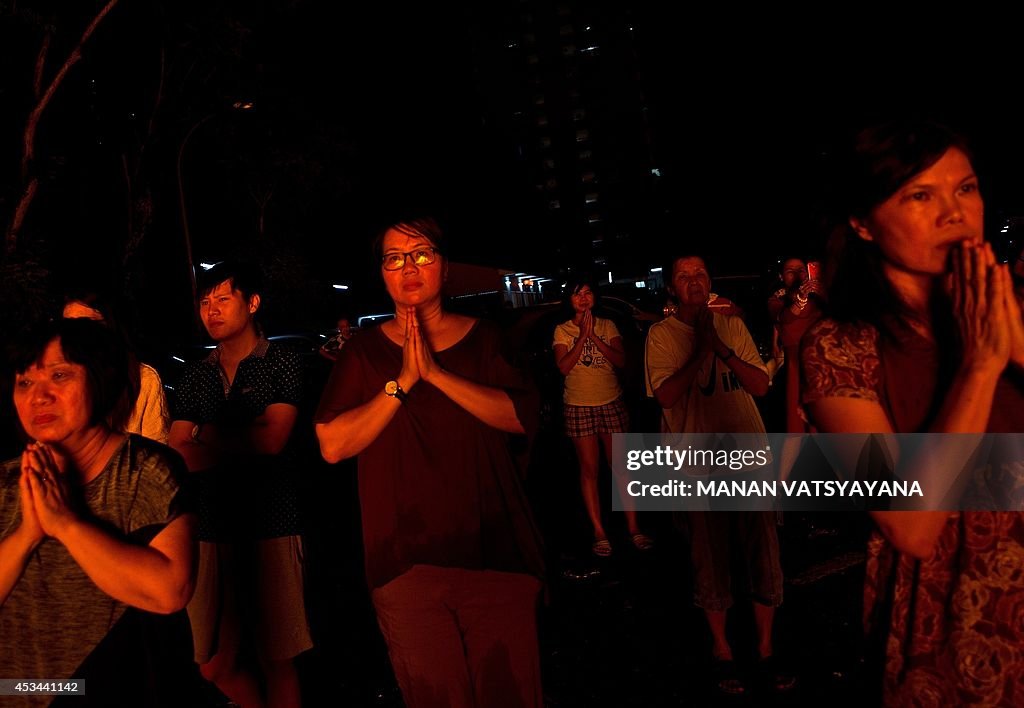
{"x": 813, "y": 270}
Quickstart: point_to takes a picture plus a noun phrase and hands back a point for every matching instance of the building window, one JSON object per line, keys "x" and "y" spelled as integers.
{"x": 532, "y": 59}
{"x": 590, "y": 198}
{"x": 538, "y": 100}
{"x": 579, "y": 114}
{"x": 569, "y": 50}
{"x": 542, "y": 120}
{"x": 554, "y": 204}
{"x": 551, "y": 184}
{"x": 545, "y": 142}
{"x": 549, "y": 164}
{"x": 587, "y": 176}
{"x": 582, "y": 135}
{"x": 565, "y": 30}
{"x": 586, "y": 154}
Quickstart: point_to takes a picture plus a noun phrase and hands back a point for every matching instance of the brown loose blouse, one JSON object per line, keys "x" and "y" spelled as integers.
{"x": 438, "y": 486}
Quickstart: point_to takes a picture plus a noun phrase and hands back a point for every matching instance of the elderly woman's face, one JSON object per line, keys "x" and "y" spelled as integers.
{"x": 412, "y": 285}
{"x": 935, "y": 210}
{"x": 52, "y": 397}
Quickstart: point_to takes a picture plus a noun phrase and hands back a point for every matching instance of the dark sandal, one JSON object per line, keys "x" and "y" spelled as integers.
{"x": 727, "y": 678}
{"x": 775, "y": 676}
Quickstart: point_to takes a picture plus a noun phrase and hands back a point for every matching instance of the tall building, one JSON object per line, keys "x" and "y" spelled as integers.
{"x": 564, "y": 83}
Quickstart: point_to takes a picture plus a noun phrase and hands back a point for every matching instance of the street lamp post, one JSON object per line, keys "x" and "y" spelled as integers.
{"x": 181, "y": 202}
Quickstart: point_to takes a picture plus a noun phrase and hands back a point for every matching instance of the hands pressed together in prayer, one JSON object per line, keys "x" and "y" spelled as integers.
{"x": 417, "y": 359}
{"x": 708, "y": 340}
{"x": 45, "y": 494}
{"x": 587, "y": 326}
{"x": 986, "y": 311}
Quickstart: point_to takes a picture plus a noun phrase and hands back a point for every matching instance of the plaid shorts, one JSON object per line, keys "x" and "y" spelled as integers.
{"x": 583, "y": 421}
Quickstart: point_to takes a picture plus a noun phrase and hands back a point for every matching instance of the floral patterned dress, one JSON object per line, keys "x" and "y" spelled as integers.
{"x": 951, "y": 626}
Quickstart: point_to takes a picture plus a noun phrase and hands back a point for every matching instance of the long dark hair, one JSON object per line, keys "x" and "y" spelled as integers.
{"x": 879, "y": 160}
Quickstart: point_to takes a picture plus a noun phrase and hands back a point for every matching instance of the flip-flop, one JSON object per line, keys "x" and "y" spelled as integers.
{"x": 601, "y": 548}
{"x": 642, "y": 542}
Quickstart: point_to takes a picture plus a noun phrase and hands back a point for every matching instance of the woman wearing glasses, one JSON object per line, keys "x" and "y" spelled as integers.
{"x": 429, "y": 405}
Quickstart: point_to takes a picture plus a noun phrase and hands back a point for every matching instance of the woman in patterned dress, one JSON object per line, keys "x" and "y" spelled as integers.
{"x": 924, "y": 335}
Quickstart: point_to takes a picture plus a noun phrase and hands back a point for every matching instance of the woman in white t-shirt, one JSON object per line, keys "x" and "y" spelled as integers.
{"x": 588, "y": 349}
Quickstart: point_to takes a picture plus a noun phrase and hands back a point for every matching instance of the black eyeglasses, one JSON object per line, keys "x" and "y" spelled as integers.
{"x": 420, "y": 257}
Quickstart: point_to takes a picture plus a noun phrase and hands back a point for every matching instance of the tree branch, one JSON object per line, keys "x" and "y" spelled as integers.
{"x": 37, "y": 75}
{"x": 32, "y": 123}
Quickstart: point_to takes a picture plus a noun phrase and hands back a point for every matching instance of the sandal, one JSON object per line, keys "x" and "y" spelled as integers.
{"x": 774, "y": 675}
{"x": 642, "y": 542}
{"x": 601, "y": 548}
{"x": 727, "y": 678}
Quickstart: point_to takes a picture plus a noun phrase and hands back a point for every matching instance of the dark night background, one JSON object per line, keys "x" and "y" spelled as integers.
{"x": 362, "y": 110}
{"x": 544, "y": 135}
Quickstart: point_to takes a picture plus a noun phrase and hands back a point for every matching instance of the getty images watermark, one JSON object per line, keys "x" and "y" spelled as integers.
{"x": 660, "y": 472}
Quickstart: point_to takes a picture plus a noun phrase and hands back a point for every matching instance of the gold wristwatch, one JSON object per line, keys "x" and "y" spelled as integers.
{"x": 392, "y": 389}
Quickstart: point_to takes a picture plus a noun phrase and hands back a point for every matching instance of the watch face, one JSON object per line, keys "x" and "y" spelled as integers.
{"x": 391, "y": 388}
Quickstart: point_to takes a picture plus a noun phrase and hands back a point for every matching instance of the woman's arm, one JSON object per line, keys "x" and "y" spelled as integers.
{"x": 753, "y": 379}
{"x": 566, "y": 358}
{"x": 151, "y": 406}
{"x": 672, "y": 389}
{"x": 491, "y": 405}
{"x": 351, "y": 432}
{"x": 912, "y": 532}
{"x": 158, "y": 578}
{"x": 16, "y": 547}
{"x": 15, "y": 550}
{"x": 613, "y": 350}
{"x": 965, "y": 408}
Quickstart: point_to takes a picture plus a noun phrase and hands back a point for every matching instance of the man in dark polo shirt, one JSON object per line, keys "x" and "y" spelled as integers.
{"x": 234, "y": 416}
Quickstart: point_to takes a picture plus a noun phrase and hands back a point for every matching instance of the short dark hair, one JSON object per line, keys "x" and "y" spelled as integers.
{"x": 425, "y": 226}
{"x": 95, "y": 347}
{"x": 244, "y": 277}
